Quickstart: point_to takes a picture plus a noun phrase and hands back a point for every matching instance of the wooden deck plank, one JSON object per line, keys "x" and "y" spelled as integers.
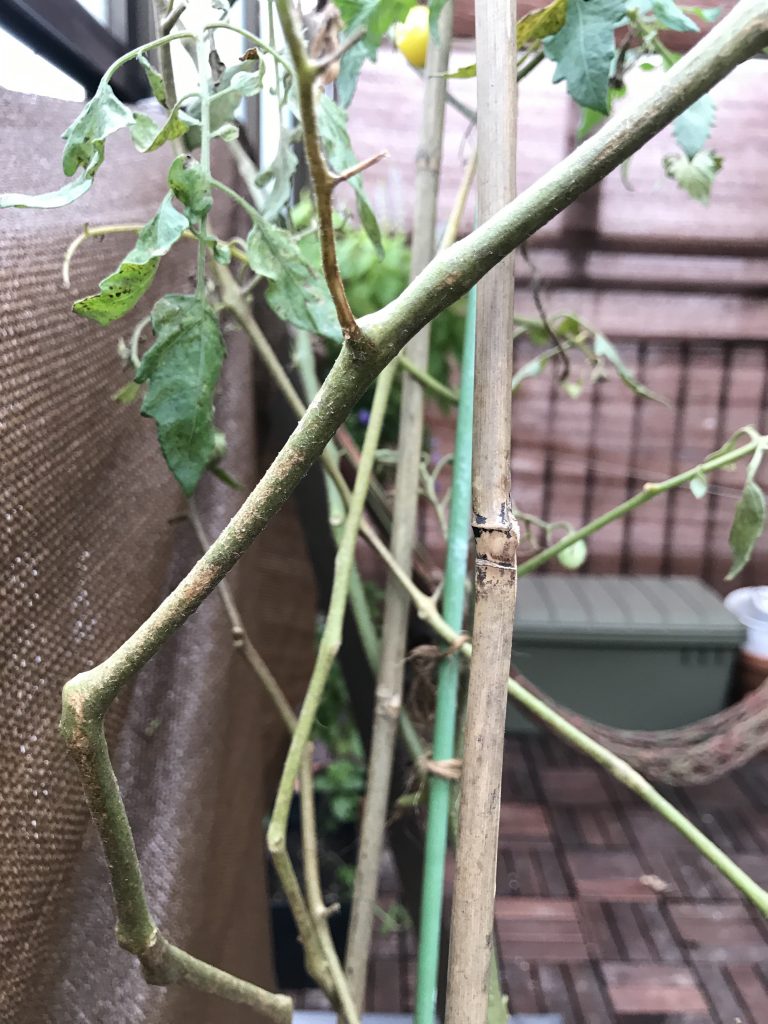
{"x": 581, "y": 933}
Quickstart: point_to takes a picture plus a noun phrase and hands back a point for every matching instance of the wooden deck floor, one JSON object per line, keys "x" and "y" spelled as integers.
{"x": 604, "y": 913}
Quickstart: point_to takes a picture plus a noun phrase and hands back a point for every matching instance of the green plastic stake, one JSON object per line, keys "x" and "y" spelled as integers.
{"x": 439, "y": 800}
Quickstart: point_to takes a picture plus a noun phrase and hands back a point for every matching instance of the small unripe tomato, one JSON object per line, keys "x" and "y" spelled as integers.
{"x": 412, "y": 35}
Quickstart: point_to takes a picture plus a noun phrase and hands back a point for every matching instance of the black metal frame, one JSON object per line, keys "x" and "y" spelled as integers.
{"x": 65, "y": 33}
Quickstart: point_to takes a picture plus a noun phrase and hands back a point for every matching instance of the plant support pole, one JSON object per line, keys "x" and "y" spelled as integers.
{"x": 444, "y": 738}
{"x": 496, "y": 535}
{"x": 389, "y": 682}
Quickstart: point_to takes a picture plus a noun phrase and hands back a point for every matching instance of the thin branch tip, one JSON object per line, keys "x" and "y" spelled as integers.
{"x": 357, "y": 168}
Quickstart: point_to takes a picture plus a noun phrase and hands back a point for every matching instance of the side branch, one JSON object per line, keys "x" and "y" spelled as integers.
{"x": 163, "y": 963}
{"x": 323, "y": 180}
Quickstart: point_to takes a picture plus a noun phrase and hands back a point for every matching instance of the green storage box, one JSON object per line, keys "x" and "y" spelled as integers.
{"x": 637, "y": 652}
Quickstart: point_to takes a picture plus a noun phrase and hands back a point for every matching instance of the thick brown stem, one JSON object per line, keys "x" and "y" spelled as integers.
{"x": 496, "y": 538}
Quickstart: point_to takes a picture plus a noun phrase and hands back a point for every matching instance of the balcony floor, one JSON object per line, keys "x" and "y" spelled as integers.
{"x": 604, "y": 913}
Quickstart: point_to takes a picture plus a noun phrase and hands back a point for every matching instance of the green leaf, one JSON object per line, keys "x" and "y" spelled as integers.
{"x": 229, "y": 132}
{"x": 670, "y": 16}
{"x": 242, "y": 79}
{"x": 120, "y": 292}
{"x": 604, "y": 349}
{"x": 530, "y": 369}
{"x": 468, "y": 71}
{"x": 708, "y": 14}
{"x": 297, "y": 293}
{"x": 574, "y": 556}
{"x": 191, "y": 186}
{"x": 159, "y": 234}
{"x": 154, "y": 78}
{"x": 592, "y": 119}
{"x": 748, "y": 525}
{"x": 694, "y": 126}
{"x": 148, "y": 136}
{"x": 49, "y": 200}
{"x": 222, "y": 252}
{"x": 183, "y": 368}
{"x": 103, "y": 115}
{"x": 572, "y": 388}
{"x": 699, "y": 486}
{"x": 332, "y": 126}
{"x": 280, "y": 174}
{"x": 349, "y": 72}
{"x": 378, "y": 16}
{"x": 584, "y": 49}
{"x": 696, "y": 175}
{"x": 538, "y": 24}
{"x": 127, "y": 393}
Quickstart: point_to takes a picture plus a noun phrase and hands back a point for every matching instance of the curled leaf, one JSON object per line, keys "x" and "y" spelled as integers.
{"x": 695, "y": 175}
{"x": 191, "y": 186}
{"x": 148, "y": 136}
{"x": 154, "y": 78}
{"x": 747, "y": 527}
{"x": 543, "y": 22}
{"x": 103, "y": 115}
{"x": 119, "y": 292}
{"x": 183, "y": 368}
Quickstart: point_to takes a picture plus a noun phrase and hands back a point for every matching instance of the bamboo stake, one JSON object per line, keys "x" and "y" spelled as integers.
{"x": 389, "y": 683}
{"x": 496, "y": 536}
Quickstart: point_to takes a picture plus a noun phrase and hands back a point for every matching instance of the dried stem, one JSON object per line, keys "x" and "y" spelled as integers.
{"x": 359, "y": 167}
{"x": 496, "y": 536}
{"x": 389, "y": 682}
{"x": 323, "y": 180}
{"x": 330, "y": 640}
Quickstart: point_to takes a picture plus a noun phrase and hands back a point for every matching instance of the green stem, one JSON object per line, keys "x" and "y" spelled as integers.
{"x": 205, "y": 158}
{"x": 132, "y": 54}
{"x": 331, "y": 638}
{"x": 427, "y": 381}
{"x": 439, "y": 803}
{"x": 649, "y": 491}
{"x": 254, "y": 39}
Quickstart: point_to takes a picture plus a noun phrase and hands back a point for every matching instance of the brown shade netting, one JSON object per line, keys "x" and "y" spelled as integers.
{"x": 89, "y": 547}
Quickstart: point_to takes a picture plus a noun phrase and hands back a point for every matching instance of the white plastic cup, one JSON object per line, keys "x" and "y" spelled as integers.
{"x": 750, "y": 607}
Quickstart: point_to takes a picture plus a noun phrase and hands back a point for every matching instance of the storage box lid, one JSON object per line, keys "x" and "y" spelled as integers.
{"x": 623, "y": 611}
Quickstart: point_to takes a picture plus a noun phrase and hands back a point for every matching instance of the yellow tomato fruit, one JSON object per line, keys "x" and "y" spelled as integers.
{"x": 412, "y": 35}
